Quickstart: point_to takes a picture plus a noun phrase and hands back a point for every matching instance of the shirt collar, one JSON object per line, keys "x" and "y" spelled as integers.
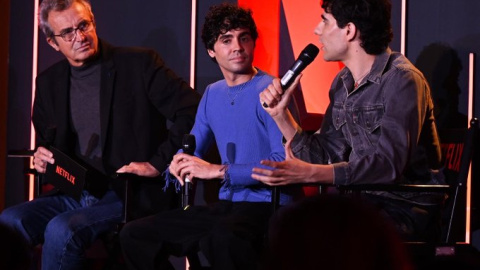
{"x": 378, "y": 68}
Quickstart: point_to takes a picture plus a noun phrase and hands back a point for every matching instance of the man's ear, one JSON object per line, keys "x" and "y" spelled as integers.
{"x": 211, "y": 53}
{"x": 53, "y": 43}
{"x": 351, "y": 31}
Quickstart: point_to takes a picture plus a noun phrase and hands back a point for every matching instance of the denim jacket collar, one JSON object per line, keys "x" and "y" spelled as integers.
{"x": 378, "y": 68}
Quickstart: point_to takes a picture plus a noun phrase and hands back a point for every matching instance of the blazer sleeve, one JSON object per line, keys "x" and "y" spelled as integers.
{"x": 174, "y": 99}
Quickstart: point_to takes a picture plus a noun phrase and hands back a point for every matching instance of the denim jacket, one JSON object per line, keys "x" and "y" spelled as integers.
{"x": 383, "y": 131}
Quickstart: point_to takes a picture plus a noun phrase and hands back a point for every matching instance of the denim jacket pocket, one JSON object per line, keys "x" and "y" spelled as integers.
{"x": 338, "y": 116}
{"x": 369, "y": 117}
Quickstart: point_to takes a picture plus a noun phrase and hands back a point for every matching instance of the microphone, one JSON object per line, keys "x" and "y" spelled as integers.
{"x": 304, "y": 59}
{"x": 188, "y": 147}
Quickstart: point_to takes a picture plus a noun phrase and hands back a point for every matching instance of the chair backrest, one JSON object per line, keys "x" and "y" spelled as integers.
{"x": 457, "y": 151}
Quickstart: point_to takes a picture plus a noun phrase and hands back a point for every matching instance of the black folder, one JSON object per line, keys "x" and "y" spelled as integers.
{"x": 66, "y": 174}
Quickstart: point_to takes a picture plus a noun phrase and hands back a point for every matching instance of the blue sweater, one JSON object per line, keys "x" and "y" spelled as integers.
{"x": 244, "y": 133}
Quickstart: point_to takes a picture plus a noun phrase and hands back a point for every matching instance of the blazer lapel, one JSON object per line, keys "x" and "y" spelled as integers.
{"x": 106, "y": 93}
{"x": 61, "y": 94}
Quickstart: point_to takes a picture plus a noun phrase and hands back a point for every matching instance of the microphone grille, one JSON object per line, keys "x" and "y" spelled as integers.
{"x": 309, "y": 53}
{"x": 189, "y": 144}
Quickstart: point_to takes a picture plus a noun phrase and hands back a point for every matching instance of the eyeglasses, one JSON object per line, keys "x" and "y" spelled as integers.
{"x": 69, "y": 34}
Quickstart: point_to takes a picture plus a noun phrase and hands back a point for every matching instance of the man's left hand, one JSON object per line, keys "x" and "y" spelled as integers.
{"x": 291, "y": 171}
{"x": 140, "y": 168}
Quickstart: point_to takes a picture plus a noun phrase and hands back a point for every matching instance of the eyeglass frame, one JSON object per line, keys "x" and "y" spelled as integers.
{"x": 91, "y": 23}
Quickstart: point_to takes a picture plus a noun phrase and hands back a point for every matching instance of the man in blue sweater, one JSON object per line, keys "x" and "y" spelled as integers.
{"x": 229, "y": 232}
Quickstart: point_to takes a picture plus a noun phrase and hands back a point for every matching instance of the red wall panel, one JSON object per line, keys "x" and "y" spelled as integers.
{"x": 301, "y": 21}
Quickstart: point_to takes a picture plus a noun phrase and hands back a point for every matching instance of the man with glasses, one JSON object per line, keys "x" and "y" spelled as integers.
{"x": 106, "y": 107}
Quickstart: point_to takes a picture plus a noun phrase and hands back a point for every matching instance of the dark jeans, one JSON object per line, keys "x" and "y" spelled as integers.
{"x": 414, "y": 221}
{"x": 64, "y": 226}
{"x": 230, "y": 235}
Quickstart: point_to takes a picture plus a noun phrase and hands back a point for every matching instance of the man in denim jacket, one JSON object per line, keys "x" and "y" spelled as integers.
{"x": 379, "y": 126}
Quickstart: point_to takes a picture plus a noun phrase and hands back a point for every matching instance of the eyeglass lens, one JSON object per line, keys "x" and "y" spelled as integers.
{"x": 69, "y": 34}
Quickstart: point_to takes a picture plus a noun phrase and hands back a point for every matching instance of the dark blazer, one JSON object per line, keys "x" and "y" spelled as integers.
{"x": 139, "y": 97}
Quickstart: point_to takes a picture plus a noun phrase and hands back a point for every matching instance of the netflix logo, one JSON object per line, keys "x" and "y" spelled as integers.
{"x": 452, "y": 154}
{"x": 65, "y": 174}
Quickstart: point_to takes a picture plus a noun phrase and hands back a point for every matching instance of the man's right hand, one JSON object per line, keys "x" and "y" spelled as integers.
{"x": 40, "y": 159}
{"x": 184, "y": 165}
{"x": 275, "y": 103}
{"x": 275, "y": 98}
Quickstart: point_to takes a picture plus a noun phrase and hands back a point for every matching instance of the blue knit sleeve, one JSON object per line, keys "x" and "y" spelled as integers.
{"x": 170, "y": 179}
{"x": 271, "y": 147}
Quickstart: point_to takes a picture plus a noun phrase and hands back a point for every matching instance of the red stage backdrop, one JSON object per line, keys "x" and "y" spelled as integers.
{"x": 301, "y": 19}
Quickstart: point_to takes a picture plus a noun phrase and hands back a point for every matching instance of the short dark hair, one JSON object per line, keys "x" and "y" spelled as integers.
{"x": 223, "y": 18}
{"x": 371, "y": 17}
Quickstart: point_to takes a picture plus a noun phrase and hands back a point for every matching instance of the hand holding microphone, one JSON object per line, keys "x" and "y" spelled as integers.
{"x": 304, "y": 59}
{"x": 188, "y": 147}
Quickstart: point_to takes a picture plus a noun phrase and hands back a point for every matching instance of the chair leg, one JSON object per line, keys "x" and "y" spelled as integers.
{"x": 114, "y": 251}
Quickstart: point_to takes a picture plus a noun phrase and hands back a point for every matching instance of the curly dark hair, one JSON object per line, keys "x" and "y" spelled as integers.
{"x": 371, "y": 17}
{"x": 223, "y": 18}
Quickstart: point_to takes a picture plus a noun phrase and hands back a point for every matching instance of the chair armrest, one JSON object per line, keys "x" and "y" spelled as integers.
{"x": 21, "y": 153}
{"x": 368, "y": 187}
{"x": 395, "y": 187}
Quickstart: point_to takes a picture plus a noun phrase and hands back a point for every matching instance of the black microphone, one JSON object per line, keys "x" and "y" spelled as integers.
{"x": 188, "y": 147}
{"x": 304, "y": 59}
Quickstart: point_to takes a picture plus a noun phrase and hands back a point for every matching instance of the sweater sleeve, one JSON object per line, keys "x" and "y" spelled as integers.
{"x": 203, "y": 139}
{"x": 201, "y": 129}
{"x": 240, "y": 174}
